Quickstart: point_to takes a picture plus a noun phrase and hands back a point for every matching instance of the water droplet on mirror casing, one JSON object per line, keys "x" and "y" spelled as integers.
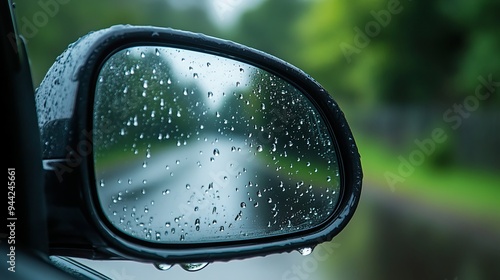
{"x": 193, "y": 266}
{"x": 163, "y": 266}
{"x": 305, "y": 251}
{"x": 243, "y": 150}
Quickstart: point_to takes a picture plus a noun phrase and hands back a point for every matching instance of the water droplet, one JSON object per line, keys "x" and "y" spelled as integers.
{"x": 243, "y": 205}
{"x": 328, "y": 178}
{"x": 216, "y": 152}
{"x": 163, "y": 266}
{"x": 193, "y": 266}
{"x": 188, "y": 186}
{"x": 145, "y": 84}
{"x": 260, "y": 148}
{"x": 195, "y": 75}
{"x": 305, "y": 251}
{"x": 167, "y": 224}
{"x": 238, "y": 217}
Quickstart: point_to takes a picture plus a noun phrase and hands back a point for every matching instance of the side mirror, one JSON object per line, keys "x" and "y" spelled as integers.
{"x": 171, "y": 147}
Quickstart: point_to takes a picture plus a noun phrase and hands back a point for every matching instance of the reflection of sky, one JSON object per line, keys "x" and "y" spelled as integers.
{"x": 214, "y": 75}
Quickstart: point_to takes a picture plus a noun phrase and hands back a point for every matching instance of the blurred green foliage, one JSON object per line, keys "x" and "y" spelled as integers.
{"x": 426, "y": 51}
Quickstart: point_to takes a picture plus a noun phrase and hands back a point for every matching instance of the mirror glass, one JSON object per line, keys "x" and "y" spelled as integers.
{"x": 191, "y": 147}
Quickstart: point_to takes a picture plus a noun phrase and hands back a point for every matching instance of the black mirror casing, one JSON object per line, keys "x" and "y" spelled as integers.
{"x": 65, "y": 102}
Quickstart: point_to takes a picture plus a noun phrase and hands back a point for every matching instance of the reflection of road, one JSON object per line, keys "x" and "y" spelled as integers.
{"x": 183, "y": 192}
{"x": 205, "y": 190}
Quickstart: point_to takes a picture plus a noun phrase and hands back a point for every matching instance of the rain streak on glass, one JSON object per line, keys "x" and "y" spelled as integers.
{"x": 191, "y": 147}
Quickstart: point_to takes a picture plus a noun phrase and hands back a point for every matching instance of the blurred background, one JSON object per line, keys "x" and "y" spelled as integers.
{"x": 419, "y": 84}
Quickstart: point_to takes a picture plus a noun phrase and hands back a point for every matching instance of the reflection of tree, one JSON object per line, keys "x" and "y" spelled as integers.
{"x": 138, "y": 96}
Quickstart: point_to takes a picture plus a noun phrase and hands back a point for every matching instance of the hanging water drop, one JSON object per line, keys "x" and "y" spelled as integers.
{"x": 193, "y": 266}
{"x": 305, "y": 251}
{"x": 163, "y": 266}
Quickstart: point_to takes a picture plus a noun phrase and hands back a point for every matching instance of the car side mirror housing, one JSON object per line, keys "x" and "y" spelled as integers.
{"x": 167, "y": 146}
